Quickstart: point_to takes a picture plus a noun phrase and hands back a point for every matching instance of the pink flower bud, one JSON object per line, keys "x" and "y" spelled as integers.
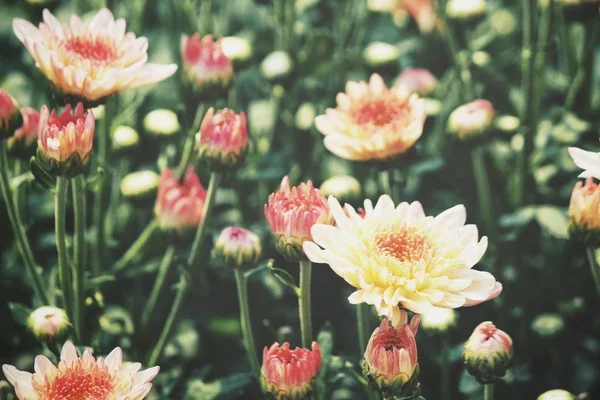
{"x": 488, "y": 353}
{"x": 237, "y": 247}
{"x": 204, "y": 63}
{"x": 292, "y": 212}
{"x": 179, "y": 204}
{"x": 49, "y": 323}
{"x": 472, "y": 119}
{"x": 289, "y": 374}
{"x": 390, "y": 364}
{"x": 584, "y": 212}
{"x": 65, "y": 140}
{"x": 10, "y": 117}
{"x": 417, "y": 80}
{"x": 222, "y": 141}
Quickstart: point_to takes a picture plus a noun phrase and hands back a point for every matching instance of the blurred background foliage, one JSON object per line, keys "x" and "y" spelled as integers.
{"x": 548, "y": 306}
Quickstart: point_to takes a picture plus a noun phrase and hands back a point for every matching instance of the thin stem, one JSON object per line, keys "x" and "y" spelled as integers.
{"x": 584, "y": 70}
{"x": 460, "y": 62}
{"x": 213, "y": 185}
{"x": 79, "y": 252}
{"x": 488, "y": 391}
{"x": 304, "y": 303}
{"x": 17, "y": 191}
{"x": 19, "y": 229}
{"x": 188, "y": 150}
{"x": 159, "y": 283}
{"x": 595, "y": 268}
{"x": 363, "y": 326}
{"x": 565, "y": 43}
{"x": 64, "y": 273}
{"x": 98, "y": 215}
{"x": 115, "y": 196}
{"x": 242, "y": 290}
{"x": 137, "y": 246}
{"x": 484, "y": 192}
{"x": 182, "y": 288}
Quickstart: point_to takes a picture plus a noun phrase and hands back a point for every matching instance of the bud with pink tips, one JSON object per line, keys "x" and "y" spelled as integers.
{"x": 65, "y": 140}
{"x": 417, "y": 80}
{"x": 289, "y": 374}
{"x": 390, "y": 364}
{"x": 291, "y": 213}
{"x": 237, "y": 248}
{"x": 179, "y": 204}
{"x": 205, "y": 65}
{"x": 222, "y": 141}
{"x": 471, "y": 120}
{"x": 49, "y": 324}
{"x": 10, "y": 116}
{"x": 488, "y": 353}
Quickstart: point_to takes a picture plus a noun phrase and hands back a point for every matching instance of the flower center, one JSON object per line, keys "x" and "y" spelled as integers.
{"x": 405, "y": 245}
{"x": 91, "y": 48}
{"x": 79, "y": 383}
{"x": 378, "y": 111}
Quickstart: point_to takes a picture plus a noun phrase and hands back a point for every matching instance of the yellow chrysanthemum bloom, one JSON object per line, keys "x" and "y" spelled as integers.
{"x": 372, "y": 121}
{"x": 396, "y": 257}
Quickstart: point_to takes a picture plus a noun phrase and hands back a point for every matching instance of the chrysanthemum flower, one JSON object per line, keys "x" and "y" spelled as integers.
{"x": 372, "y": 121}
{"x": 390, "y": 361}
{"x": 422, "y": 12}
{"x": 222, "y": 141}
{"x": 10, "y": 116}
{"x": 291, "y": 213}
{"x": 417, "y": 80}
{"x": 398, "y": 257}
{"x": 82, "y": 377}
{"x": 237, "y": 247}
{"x": 65, "y": 140}
{"x": 288, "y": 374}
{"x": 90, "y": 60}
{"x": 589, "y": 161}
{"x": 204, "y": 62}
{"x": 584, "y": 212}
{"x": 488, "y": 353}
{"x": 179, "y": 204}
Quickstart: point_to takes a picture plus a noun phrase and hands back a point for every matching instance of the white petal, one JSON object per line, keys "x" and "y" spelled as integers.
{"x": 114, "y": 359}
{"x": 43, "y": 366}
{"x": 68, "y": 353}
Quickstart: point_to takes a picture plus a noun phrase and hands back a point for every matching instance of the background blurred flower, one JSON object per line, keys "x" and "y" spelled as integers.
{"x": 90, "y": 60}
{"x": 556, "y": 394}
{"x": 139, "y": 184}
{"x": 237, "y": 247}
{"x": 422, "y": 12}
{"x": 398, "y": 257}
{"x": 464, "y": 10}
{"x": 589, "y": 161}
{"x": 49, "y": 323}
{"x": 288, "y": 374}
{"x": 584, "y": 212}
{"x": 291, "y": 213}
{"x": 417, "y": 80}
{"x": 10, "y": 116}
{"x": 161, "y": 123}
{"x": 488, "y": 353}
{"x": 179, "y": 204}
{"x": 222, "y": 141}
{"x": 472, "y": 119}
{"x": 345, "y": 188}
{"x": 372, "y": 121}
{"x": 82, "y": 377}
{"x": 65, "y": 140}
{"x": 439, "y": 319}
{"x": 205, "y": 65}
{"x": 548, "y": 324}
{"x": 390, "y": 361}
{"x": 24, "y": 141}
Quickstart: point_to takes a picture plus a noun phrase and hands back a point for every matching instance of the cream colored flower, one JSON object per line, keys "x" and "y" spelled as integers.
{"x": 398, "y": 257}
{"x": 90, "y": 60}
{"x": 589, "y": 161}
{"x": 372, "y": 121}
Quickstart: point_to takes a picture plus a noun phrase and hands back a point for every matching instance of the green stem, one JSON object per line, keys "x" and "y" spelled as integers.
{"x": 564, "y": 40}
{"x": 584, "y": 70}
{"x": 188, "y": 150}
{"x": 115, "y": 197}
{"x": 79, "y": 253}
{"x": 488, "y": 391}
{"x": 19, "y": 229}
{"x": 61, "y": 243}
{"x": 460, "y": 62}
{"x": 363, "y": 326}
{"x": 159, "y": 283}
{"x": 17, "y": 191}
{"x": 182, "y": 288}
{"x": 213, "y": 185}
{"x": 594, "y": 267}
{"x": 445, "y": 369}
{"x": 242, "y": 289}
{"x": 98, "y": 215}
{"x": 304, "y": 303}
{"x": 484, "y": 192}
{"x": 137, "y": 246}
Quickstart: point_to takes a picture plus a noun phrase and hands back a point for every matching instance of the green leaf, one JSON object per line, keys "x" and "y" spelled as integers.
{"x": 325, "y": 340}
{"x": 42, "y": 176}
{"x": 20, "y": 312}
{"x": 554, "y": 220}
{"x": 230, "y": 387}
{"x": 284, "y": 277}
{"x": 95, "y": 182}
{"x": 518, "y": 218}
{"x": 116, "y": 321}
{"x": 21, "y": 179}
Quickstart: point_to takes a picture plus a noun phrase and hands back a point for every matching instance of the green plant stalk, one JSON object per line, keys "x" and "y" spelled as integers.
{"x": 363, "y": 326}
{"x": 115, "y": 196}
{"x": 79, "y": 255}
{"x": 460, "y": 62}
{"x": 213, "y": 185}
{"x": 484, "y": 192}
{"x": 594, "y": 267}
{"x": 242, "y": 291}
{"x": 188, "y": 150}
{"x": 182, "y": 289}
{"x": 445, "y": 370}
{"x": 564, "y": 40}
{"x": 585, "y": 69}
{"x": 137, "y": 246}
{"x": 64, "y": 272}
{"x": 159, "y": 283}
{"x": 98, "y": 214}
{"x": 304, "y": 303}
{"x": 19, "y": 229}
{"x": 488, "y": 391}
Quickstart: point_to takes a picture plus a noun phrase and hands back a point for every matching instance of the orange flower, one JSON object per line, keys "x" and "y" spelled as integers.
{"x": 90, "y": 60}
{"x": 372, "y": 121}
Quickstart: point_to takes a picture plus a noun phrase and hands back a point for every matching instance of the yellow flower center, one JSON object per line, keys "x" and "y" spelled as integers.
{"x": 405, "y": 245}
